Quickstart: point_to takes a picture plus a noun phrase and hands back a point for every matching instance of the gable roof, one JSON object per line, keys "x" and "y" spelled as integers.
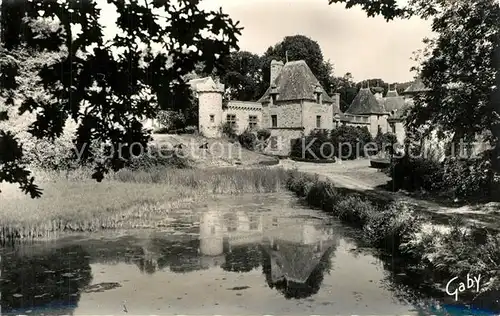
{"x": 365, "y": 103}
{"x": 296, "y": 82}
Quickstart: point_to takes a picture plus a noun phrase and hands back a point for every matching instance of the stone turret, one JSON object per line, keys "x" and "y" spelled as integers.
{"x": 276, "y": 67}
{"x": 211, "y": 234}
{"x": 210, "y": 95}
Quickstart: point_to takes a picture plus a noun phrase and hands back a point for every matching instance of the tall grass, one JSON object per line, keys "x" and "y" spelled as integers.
{"x": 127, "y": 199}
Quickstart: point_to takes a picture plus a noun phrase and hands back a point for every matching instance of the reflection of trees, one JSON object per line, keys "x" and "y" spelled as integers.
{"x": 243, "y": 259}
{"x": 50, "y": 280}
{"x": 291, "y": 289}
{"x": 181, "y": 256}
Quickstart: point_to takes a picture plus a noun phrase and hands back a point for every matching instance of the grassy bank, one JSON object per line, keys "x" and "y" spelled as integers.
{"x": 399, "y": 230}
{"x": 127, "y": 199}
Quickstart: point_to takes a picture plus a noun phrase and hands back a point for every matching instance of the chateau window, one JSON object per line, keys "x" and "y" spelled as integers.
{"x": 273, "y": 97}
{"x": 318, "y": 98}
{"x": 213, "y": 230}
{"x": 254, "y": 224}
{"x": 274, "y": 120}
{"x": 212, "y": 118}
{"x": 318, "y": 121}
{"x": 274, "y": 142}
{"x": 252, "y": 121}
{"x": 231, "y": 119}
{"x": 275, "y": 221}
{"x": 393, "y": 126}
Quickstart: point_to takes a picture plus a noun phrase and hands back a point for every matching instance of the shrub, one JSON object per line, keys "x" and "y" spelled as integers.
{"x": 417, "y": 173}
{"x": 354, "y": 210}
{"x": 227, "y": 129}
{"x": 356, "y": 139}
{"x": 391, "y": 228}
{"x": 171, "y": 120}
{"x": 322, "y": 195}
{"x": 248, "y": 139}
{"x": 315, "y": 146}
{"x": 263, "y": 134}
{"x": 156, "y": 157}
{"x": 469, "y": 179}
{"x": 385, "y": 142}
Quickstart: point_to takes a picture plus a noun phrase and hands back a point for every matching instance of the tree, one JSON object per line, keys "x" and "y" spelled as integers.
{"x": 106, "y": 87}
{"x": 346, "y": 87}
{"x": 466, "y": 53}
{"x": 460, "y": 70}
{"x": 242, "y": 74}
{"x": 299, "y": 47}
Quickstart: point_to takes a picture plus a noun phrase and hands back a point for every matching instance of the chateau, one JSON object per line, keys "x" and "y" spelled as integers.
{"x": 295, "y": 104}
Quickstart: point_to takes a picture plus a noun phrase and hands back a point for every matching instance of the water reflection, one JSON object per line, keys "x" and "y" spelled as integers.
{"x": 269, "y": 254}
{"x": 294, "y": 254}
{"x": 48, "y": 280}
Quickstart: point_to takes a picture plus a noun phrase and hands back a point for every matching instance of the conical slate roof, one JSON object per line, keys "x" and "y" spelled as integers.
{"x": 296, "y": 262}
{"x": 296, "y": 82}
{"x": 393, "y": 102}
{"x": 365, "y": 103}
{"x": 416, "y": 87}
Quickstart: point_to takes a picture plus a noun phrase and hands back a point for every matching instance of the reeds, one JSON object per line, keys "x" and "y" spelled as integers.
{"x": 127, "y": 199}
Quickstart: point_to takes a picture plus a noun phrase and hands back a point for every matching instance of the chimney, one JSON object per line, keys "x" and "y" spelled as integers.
{"x": 276, "y": 67}
{"x": 336, "y": 103}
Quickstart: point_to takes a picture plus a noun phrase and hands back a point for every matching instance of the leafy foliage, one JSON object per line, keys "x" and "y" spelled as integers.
{"x": 299, "y": 47}
{"x": 106, "y": 87}
{"x": 242, "y": 75}
{"x": 227, "y": 129}
{"x": 461, "y": 70}
{"x": 263, "y": 134}
{"x": 248, "y": 139}
{"x": 346, "y": 142}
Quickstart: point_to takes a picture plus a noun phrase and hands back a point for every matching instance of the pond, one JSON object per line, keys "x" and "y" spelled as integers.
{"x": 236, "y": 255}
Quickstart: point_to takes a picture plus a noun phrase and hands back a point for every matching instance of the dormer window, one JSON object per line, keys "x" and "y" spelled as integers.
{"x": 318, "y": 93}
{"x": 273, "y": 93}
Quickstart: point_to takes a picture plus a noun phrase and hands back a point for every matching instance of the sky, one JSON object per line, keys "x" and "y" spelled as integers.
{"x": 365, "y": 47}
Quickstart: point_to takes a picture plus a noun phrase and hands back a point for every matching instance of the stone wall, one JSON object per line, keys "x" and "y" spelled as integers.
{"x": 289, "y": 114}
{"x": 376, "y": 121}
{"x": 280, "y": 140}
{"x": 397, "y": 128}
{"x": 243, "y": 110}
{"x": 311, "y": 110}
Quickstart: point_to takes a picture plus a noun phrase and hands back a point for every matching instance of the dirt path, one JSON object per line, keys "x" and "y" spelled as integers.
{"x": 357, "y": 175}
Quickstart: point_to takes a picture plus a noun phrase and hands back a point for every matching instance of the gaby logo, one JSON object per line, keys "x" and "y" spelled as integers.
{"x": 459, "y": 287}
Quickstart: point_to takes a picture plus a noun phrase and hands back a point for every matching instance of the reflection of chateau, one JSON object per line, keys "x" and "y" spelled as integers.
{"x": 295, "y": 247}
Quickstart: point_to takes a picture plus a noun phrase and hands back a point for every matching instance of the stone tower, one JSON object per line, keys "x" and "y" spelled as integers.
{"x": 276, "y": 67}
{"x": 211, "y": 234}
{"x": 210, "y": 96}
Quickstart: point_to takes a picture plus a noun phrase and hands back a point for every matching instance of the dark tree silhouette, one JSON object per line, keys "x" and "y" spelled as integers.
{"x": 243, "y": 259}
{"x": 51, "y": 280}
{"x": 242, "y": 75}
{"x": 299, "y": 47}
{"x": 106, "y": 95}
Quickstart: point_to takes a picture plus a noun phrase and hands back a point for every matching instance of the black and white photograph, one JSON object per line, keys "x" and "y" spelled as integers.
{"x": 230, "y": 157}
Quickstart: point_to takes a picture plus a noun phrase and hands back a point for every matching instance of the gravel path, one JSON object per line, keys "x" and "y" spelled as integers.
{"x": 357, "y": 175}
